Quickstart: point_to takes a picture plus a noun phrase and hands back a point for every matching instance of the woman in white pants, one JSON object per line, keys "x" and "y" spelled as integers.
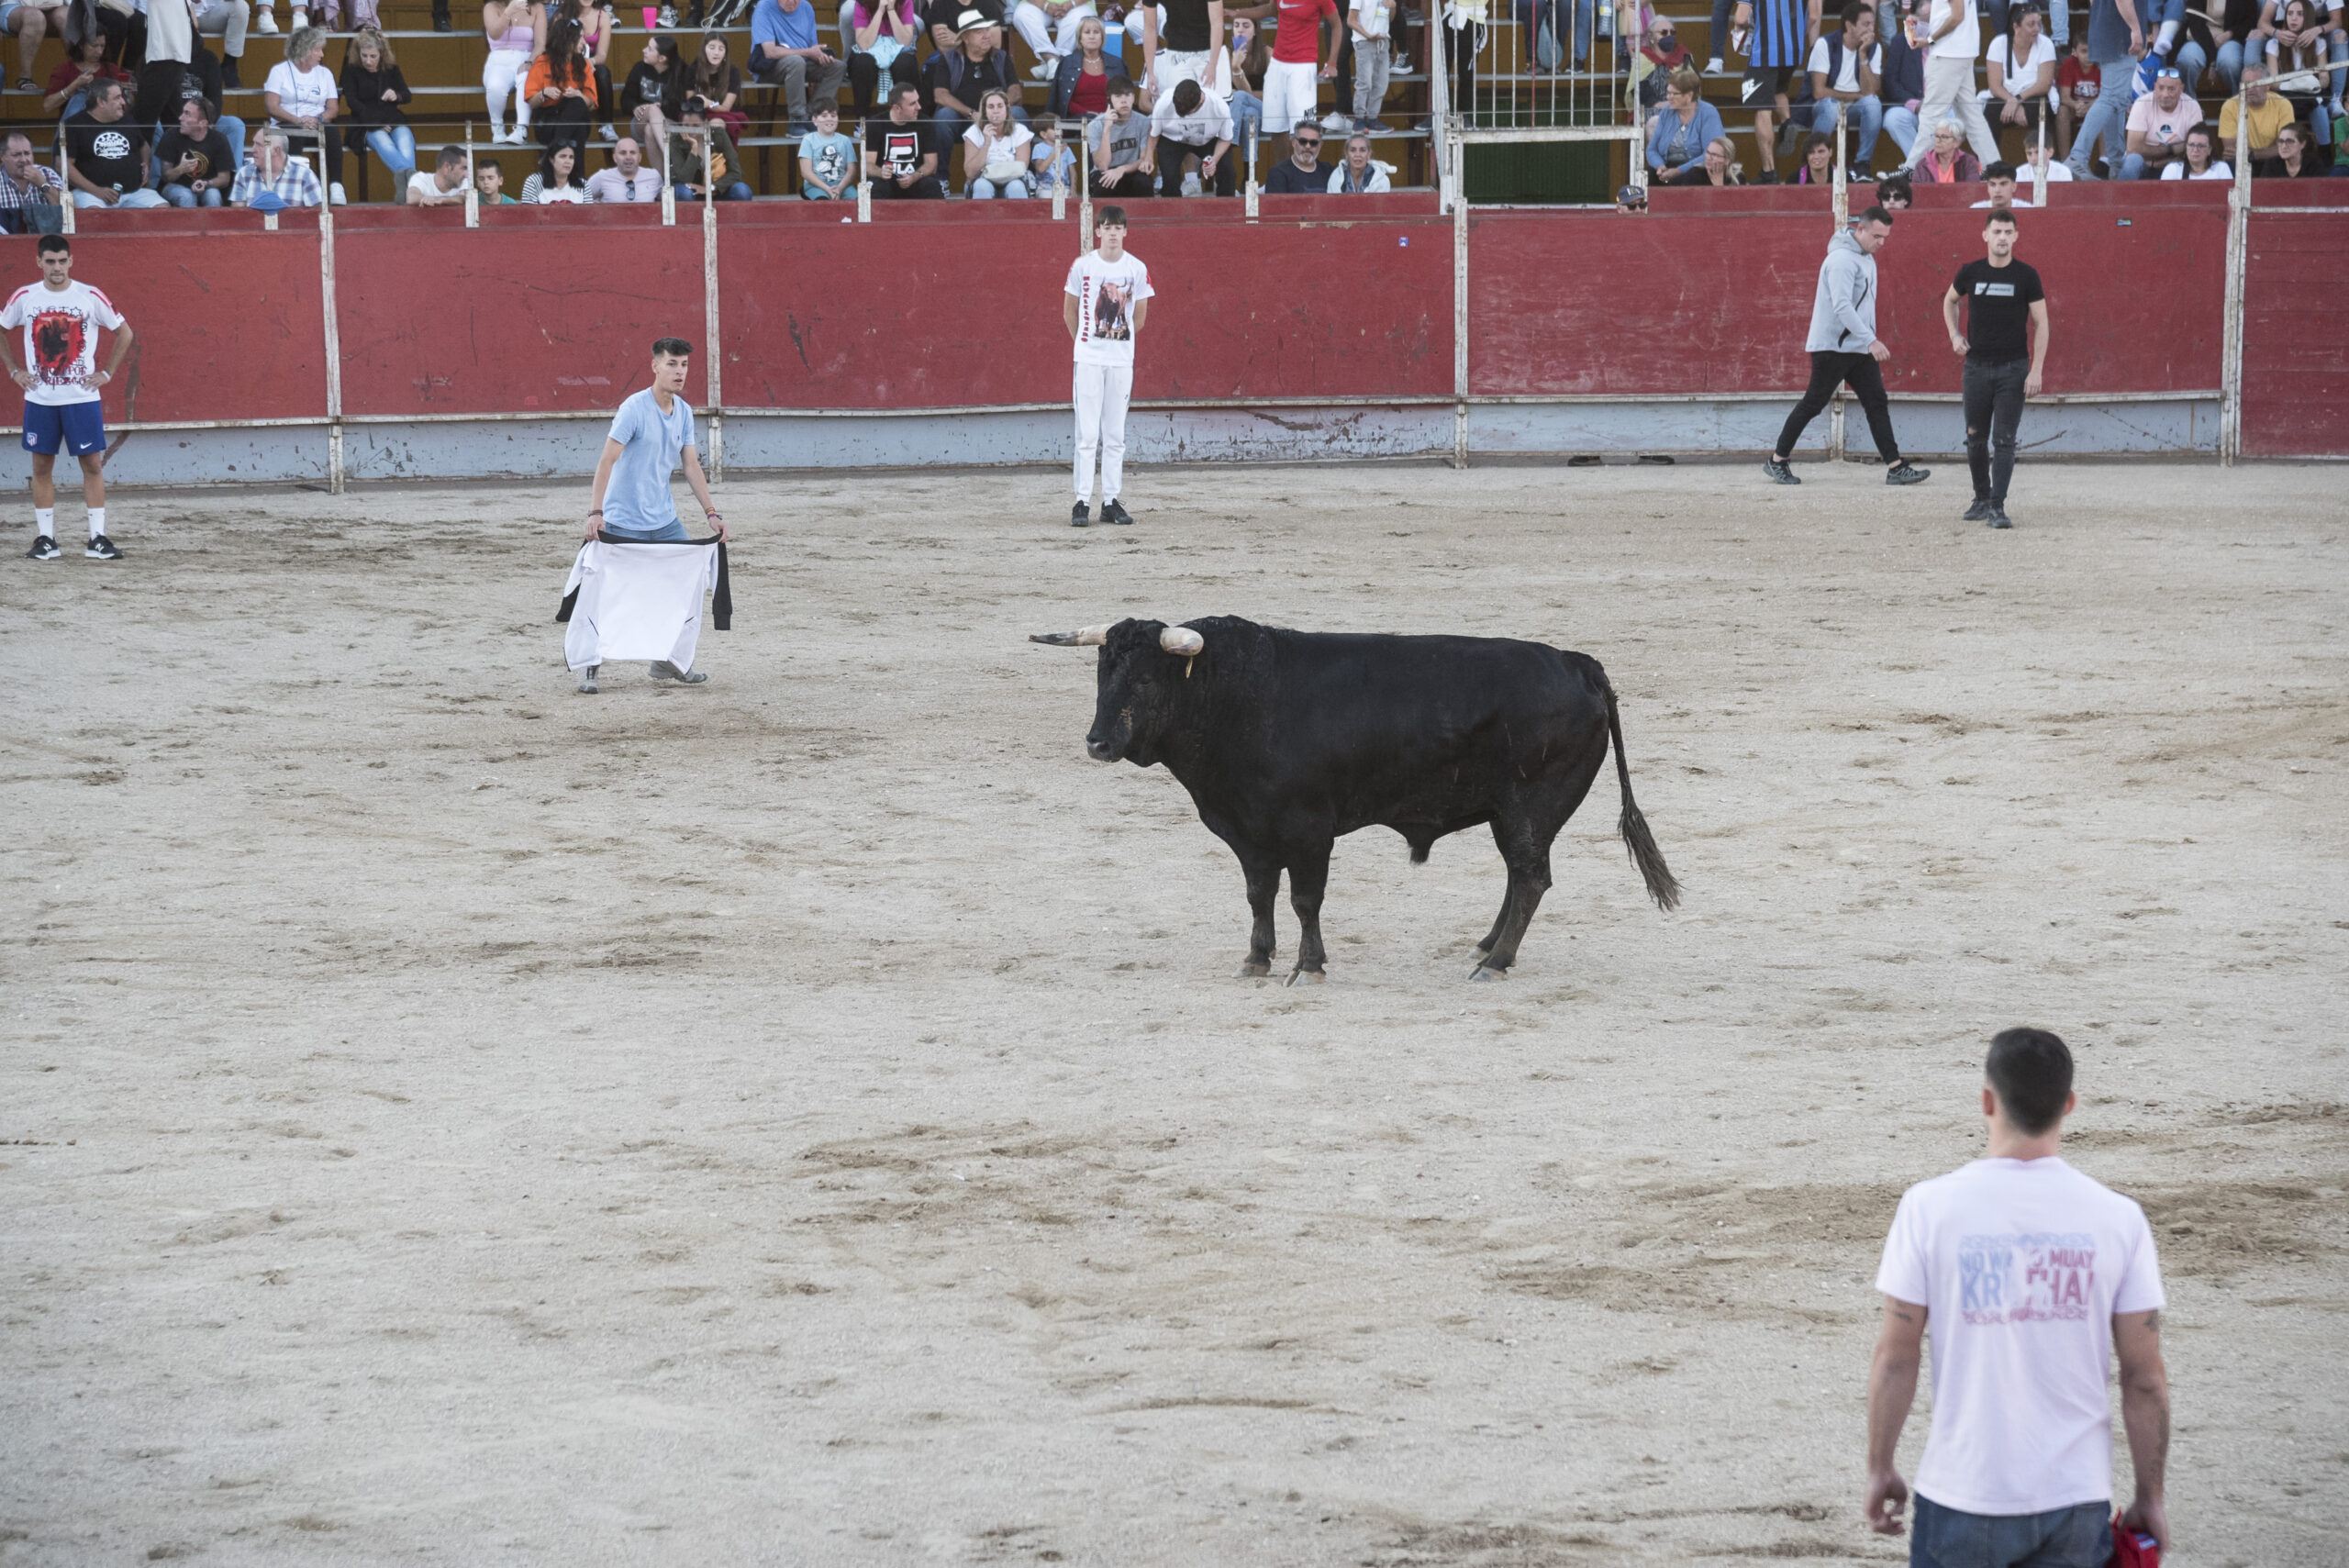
{"x": 1051, "y": 31}
{"x": 506, "y": 24}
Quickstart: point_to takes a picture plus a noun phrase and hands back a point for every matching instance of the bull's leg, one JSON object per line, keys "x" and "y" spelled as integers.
{"x": 1309, "y": 876}
{"x": 1500, "y": 921}
{"x": 1263, "y": 884}
{"x": 1529, "y": 879}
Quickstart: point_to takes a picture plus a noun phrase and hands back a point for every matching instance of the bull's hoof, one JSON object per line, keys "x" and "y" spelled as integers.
{"x": 1254, "y": 971}
{"x": 1307, "y": 977}
{"x": 1486, "y": 971}
{"x": 1480, "y": 952}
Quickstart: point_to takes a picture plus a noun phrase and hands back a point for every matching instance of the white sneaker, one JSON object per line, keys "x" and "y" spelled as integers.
{"x": 265, "y": 21}
{"x": 668, "y": 18}
{"x": 301, "y": 19}
{"x": 1713, "y": 66}
{"x": 1333, "y": 120}
{"x": 1191, "y": 186}
{"x": 334, "y": 194}
{"x": 1401, "y": 65}
{"x": 611, "y": 135}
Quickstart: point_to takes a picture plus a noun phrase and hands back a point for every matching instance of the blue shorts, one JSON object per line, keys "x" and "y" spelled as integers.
{"x": 81, "y": 427}
{"x": 668, "y": 532}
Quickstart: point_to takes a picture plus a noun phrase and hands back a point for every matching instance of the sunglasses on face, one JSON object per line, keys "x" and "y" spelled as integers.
{"x": 1307, "y": 145}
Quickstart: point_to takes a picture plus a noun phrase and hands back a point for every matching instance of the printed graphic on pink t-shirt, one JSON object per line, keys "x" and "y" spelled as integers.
{"x": 2026, "y": 1279}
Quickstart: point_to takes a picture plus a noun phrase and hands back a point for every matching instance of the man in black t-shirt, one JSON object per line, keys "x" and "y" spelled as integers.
{"x": 106, "y": 155}
{"x": 197, "y": 165}
{"x": 901, "y": 152}
{"x": 1300, "y": 173}
{"x": 2001, "y": 368}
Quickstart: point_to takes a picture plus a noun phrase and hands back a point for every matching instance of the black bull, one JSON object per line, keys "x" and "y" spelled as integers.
{"x": 1288, "y": 739}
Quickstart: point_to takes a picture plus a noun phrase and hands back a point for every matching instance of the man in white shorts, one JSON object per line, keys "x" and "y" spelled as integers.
{"x": 2031, "y": 1275}
{"x": 1184, "y": 51}
{"x": 61, "y": 320}
{"x": 1107, "y": 295}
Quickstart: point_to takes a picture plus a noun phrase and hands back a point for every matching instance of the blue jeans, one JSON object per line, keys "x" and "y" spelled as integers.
{"x": 188, "y": 196}
{"x": 2229, "y": 65}
{"x": 1900, "y": 124}
{"x": 1531, "y": 14}
{"x": 1868, "y": 117}
{"x": 1247, "y": 115}
{"x": 986, "y": 190}
{"x": 668, "y": 531}
{"x": 2067, "y": 1538}
{"x": 739, "y": 191}
{"x": 2107, "y": 118}
{"x": 395, "y": 147}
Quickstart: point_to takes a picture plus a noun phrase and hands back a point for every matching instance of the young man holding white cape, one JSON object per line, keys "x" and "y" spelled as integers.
{"x": 632, "y": 502}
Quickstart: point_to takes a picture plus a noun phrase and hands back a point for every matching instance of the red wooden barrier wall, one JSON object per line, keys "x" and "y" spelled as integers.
{"x": 2294, "y": 345}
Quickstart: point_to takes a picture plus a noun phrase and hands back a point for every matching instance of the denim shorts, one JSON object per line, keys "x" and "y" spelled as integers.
{"x": 2066, "y": 1538}
{"x": 668, "y": 532}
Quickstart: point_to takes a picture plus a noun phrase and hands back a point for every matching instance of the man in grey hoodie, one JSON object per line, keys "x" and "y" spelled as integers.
{"x": 1843, "y": 347}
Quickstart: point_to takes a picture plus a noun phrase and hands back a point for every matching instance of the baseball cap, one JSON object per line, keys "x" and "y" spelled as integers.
{"x": 1632, "y": 196}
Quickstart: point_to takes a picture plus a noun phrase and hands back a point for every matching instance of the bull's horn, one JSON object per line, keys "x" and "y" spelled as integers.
{"x": 1088, "y": 636}
{"x": 1181, "y": 641}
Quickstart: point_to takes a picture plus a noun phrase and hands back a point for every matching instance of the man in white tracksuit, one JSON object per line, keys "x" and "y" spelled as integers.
{"x": 1107, "y": 295}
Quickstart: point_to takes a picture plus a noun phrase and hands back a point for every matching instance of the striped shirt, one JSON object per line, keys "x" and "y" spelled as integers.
{"x": 46, "y": 188}
{"x": 1778, "y": 27}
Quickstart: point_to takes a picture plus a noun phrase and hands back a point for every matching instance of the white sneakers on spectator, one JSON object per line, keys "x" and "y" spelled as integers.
{"x": 1191, "y": 186}
{"x": 301, "y": 19}
{"x": 1047, "y": 67}
{"x": 264, "y": 19}
{"x": 1713, "y": 66}
{"x": 609, "y": 134}
{"x": 1333, "y": 120}
{"x": 334, "y": 191}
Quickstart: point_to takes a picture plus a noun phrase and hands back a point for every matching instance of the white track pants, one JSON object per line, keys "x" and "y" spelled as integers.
{"x": 1102, "y": 394}
{"x": 502, "y": 73}
{"x": 1292, "y": 92}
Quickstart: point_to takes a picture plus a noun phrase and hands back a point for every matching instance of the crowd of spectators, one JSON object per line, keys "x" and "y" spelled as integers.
{"x": 2116, "y": 92}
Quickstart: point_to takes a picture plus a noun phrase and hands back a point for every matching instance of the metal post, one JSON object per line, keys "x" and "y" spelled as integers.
{"x": 864, "y": 181}
{"x": 668, "y": 188}
{"x": 65, "y": 179}
{"x": 1639, "y": 170}
{"x": 333, "y": 331}
{"x": 1085, "y": 190}
{"x": 1459, "y": 309}
{"x": 473, "y": 189}
{"x": 2230, "y": 352}
{"x": 1834, "y": 429}
{"x": 1439, "y": 100}
{"x": 1842, "y": 195}
{"x": 2039, "y": 181}
{"x": 1254, "y": 189}
{"x": 1060, "y": 187}
{"x": 709, "y": 313}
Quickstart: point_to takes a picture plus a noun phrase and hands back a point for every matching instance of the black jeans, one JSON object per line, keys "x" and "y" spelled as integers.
{"x": 1171, "y": 154}
{"x": 925, "y": 189}
{"x": 1828, "y": 372}
{"x": 1993, "y": 409}
{"x": 300, "y": 144}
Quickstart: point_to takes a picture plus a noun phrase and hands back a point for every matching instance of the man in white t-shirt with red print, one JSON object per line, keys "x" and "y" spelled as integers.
{"x": 61, "y": 320}
{"x": 2030, "y": 1275}
{"x": 1107, "y": 295}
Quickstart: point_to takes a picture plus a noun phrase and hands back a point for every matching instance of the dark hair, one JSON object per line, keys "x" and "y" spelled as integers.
{"x": 672, "y": 348}
{"x": 53, "y": 244}
{"x": 1819, "y": 139}
{"x": 1187, "y": 96}
{"x": 547, "y": 168}
{"x": 104, "y": 86}
{"x": 1897, "y": 186}
{"x": 1876, "y": 215}
{"x": 1118, "y": 84}
{"x": 2016, "y": 14}
{"x": 1110, "y": 214}
{"x": 2001, "y": 214}
{"x": 666, "y": 48}
{"x": 15, "y": 136}
{"x": 566, "y": 67}
{"x": 451, "y": 154}
{"x": 2001, "y": 169}
{"x": 204, "y": 106}
{"x": 1856, "y": 10}
{"x": 709, "y": 80}
{"x": 2031, "y": 1072}
{"x": 901, "y": 89}
{"x": 1042, "y": 121}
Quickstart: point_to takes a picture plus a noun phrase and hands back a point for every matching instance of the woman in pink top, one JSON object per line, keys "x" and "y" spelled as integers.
{"x": 881, "y": 37}
{"x": 506, "y": 23}
{"x": 1948, "y": 163}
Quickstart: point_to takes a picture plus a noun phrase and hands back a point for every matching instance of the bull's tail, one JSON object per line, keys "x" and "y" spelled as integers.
{"x": 1662, "y": 887}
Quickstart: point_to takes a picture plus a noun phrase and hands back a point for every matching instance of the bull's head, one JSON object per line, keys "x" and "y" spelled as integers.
{"x": 1140, "y": 662}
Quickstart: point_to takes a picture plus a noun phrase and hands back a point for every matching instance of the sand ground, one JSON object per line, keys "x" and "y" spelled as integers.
{"x": 812, "y": 1119}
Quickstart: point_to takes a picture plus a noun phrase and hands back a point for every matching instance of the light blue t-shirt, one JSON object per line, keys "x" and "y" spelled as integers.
{"x": 638, "y": 500}
{"x": 832, "y": 157}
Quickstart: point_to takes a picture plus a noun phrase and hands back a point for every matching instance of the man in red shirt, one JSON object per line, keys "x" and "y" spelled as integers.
{"x": 1293, "y": 77}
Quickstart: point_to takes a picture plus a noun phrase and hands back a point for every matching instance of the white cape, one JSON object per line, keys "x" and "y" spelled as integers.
{"x": 642, "y": 601}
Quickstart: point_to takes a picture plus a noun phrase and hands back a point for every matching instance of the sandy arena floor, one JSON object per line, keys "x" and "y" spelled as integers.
{"x": 811, "y": 1118}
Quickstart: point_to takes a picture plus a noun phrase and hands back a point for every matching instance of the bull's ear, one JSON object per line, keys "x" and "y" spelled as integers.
{"x": 1085, "y": 637}
{"x": 1181, "y": 641}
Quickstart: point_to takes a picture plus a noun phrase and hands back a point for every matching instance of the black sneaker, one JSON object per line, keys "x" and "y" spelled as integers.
{"x": 1907, "y": 473}
{"x": 1997, "y": 518}
{"x": 228, "y": 77}
{"x": 1769, "y": 177}
{"x": 44, "y": 548}
{"x": 1113, "y": 512}
{"x": 101, "y": 549}
{"x": 1779, "y": 473}
{"x": 1978, "y": 512}
{"x": 1080, "y": 515}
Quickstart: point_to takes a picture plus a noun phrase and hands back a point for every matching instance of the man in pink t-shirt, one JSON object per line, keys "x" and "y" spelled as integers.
{"x": 2031, "y": 1275}
{"x": 1293, "y": 77}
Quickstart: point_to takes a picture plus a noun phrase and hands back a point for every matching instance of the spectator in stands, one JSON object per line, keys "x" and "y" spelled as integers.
{"x": 562, "y": 88}
{"x": 1945, "y": 162}
{"x": 2115, "y": 42}
{"x": 1052, "y": 163}
{"x": 1190, "y": 122}
{"x": 724, "y": 175}
{"x": 1953, "y": 40}
{"x": 556, "y": 182}
{"x": 303, "y": 101}
{"x": 1901, "y": 85}
{"x": 1895, "y": 195}
{"x": 2157, "y": 127}
{"x": 506, "y": 25}
{"x": 108, "y": 156}
{"x": 2077, "y": 82}
{"x": 172, "y": 28}
{"x": 489, "y": 179}
{"x": 2298, "y": 40}
{"x": 962, "y": 76}
{"x": 654, "y": 88}
{"x": 1372, "y": 25}
{"x": 1657, "y": 61}
{"x": 2199, "y": 164}
{"x": 901, "y": 151}
{"x": 374, "y": 89}
{"x": 1118, "y": 144}
{"x": 2267, "y": 114}
{"x": 197, "y": 167}
{"x": 83, "y": 67}
{"x": 718, "y": 85}
{"x": 272, "y": 175}
{"x": 1081, "y": 90}
{"x": 1300, "y": 173}
{"x": 1293, "y": 73}
{"x": 1845, "y": 71}
{"x": 1717, "y": 167}
{"x": 826, "y": 158}
{"x": 2021, "y": 70}
{"x": 2235, "y": 29}
{"x": 1357, "y": 175}
{"x": 628, "y": 180}
{"x": 942, "y": 19}
{"x": 2295, "y": 157}
{"x": 1818, "y": 161}
{"x": 1240, "y": 78}
{"x": 882, "y": 34}
{"x": 2039, "y": 166}
{"x": 594, "y": 41}
{"x": 995, "y": 151}
{"x": 1683, "y": 127}
{"x": 785, "y": 52}
{"x": 444, "y": 185}
{"x": 25, "y": 181}
{"x": 32, "y": 22}
{"x": 1051, "y": 31}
